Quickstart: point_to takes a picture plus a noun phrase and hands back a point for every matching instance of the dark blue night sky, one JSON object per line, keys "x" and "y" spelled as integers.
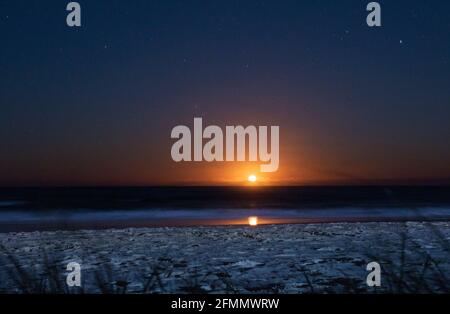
{"x": 95, "y": 105}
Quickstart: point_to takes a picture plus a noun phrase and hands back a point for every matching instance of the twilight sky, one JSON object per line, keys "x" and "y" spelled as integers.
{"x": 95, "y": 105}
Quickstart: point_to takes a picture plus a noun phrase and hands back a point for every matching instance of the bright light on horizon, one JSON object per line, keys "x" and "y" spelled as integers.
{"x": 253, "y": 221}
{"x": 252, "y": 178}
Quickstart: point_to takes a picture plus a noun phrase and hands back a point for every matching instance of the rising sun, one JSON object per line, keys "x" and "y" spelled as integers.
{"x": 251, "y": 178}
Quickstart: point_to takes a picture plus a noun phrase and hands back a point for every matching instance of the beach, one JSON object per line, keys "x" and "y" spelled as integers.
{"x": 285, "y": 258}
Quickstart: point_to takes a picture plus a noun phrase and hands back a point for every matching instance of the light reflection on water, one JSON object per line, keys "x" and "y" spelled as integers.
{"x": 18, "y": 220}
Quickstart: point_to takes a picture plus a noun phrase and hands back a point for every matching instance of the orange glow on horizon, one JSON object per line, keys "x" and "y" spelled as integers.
{"x": 253, "y": 221}
{"x": 252, "y": 178}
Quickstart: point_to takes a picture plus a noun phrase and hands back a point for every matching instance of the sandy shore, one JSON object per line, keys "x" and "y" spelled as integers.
{"x": 317, "y": 258}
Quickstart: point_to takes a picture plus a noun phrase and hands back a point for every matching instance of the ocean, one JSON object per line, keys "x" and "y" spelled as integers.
{"x": 68, "y": 208}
